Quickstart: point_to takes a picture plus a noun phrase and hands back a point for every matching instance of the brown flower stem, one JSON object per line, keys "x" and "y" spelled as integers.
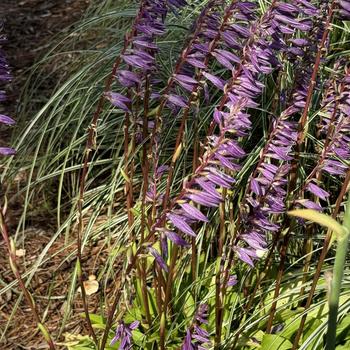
{"x": 145, "y": 161}
{"x": 304, "y": 117}
{"x": 317, "y": 173}
{"x": 195, "y": 163}
{"x": 14, "y": 267}
{"x": 145, "y": 171}
{"x": 192, "y": 98}
{"x": 219, "y": 310}
{"x": 296, "y": 160}
{"x": 128, "y": 184}
{"x": 168, "y": 295}
{"x": 129, "y": 169}
{"x": 326, "y": 245}
{"x": 90, "y": 146}
{"x": 283, "y": 255}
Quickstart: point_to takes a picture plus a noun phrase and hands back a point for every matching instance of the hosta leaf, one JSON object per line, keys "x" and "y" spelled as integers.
{"x": 275, "y": 342}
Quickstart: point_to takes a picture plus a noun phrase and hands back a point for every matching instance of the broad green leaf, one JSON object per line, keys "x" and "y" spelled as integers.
{"x": 319, "y": 218}
{"x": 343, "y": 330}
{"x": 345, "y": 346}
{"x": 275, "y": 342}
{"x": 95, "y": 319}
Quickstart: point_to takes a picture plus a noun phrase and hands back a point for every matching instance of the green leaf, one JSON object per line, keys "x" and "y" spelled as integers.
{"x": 345, "y": 346}
{"x": 319, "y": 218}
{"x": 343, "y": 330}
{"x": 275, "y": 342}
{"x": 96, "y": 319}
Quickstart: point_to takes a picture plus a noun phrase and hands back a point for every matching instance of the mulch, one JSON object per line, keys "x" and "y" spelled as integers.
{"x": 49, "y": 287}
{"x": 30, "y": 25}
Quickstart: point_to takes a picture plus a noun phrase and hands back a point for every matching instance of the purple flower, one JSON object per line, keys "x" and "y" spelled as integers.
{"x": 232, "y": 281}
{"x": 193, "y": 212}
{"x": 118, "y": 100}
{"x": 317, "y": 191}
{"x": 4, "y": 119}
{"x": 309, "y": 204}
{"x": 180, "y": 223}
{"x": 5, "y": 77}
{"x": 196, "y": 337}
{"x": 216, "y": 81}
{"x": 128, "y": 78}
{"x": 7, "y": 151}
{"x": 158, "y": 258}
{"x": 344, "y": 9}
{"x": 175, "y": 238}
{"x": 123, "y": 334}
{"x": 177, "y": 100}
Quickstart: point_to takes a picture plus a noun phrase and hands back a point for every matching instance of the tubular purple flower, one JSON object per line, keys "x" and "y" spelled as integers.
{"x": 317, "y": 191}
{"x": 232, "y": 281}
{"x": 196, "y": 337}
{"x": 123, "y": 334}
{"x": 158, "y": 258}
{"x": 216, "y": 81}
{"x": 7, "y": 151}
{"x": 193, "y": 212}
{"x": 4, "y": 119}
{"x": 180, "y": 223}
{"x": 175, "y": 238}
{"x": 177, "y": 100}
{"x": 118, "y": 100}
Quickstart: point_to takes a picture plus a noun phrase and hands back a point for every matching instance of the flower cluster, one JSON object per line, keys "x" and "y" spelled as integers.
{"x": 5, "y": 77}
{"x": 195, "y": 56}
{"x": 267, "y": 188}
{"x": 262, "y": 40}
{"x": 335, "y": 128}
{"x": 123, "y": 334}
{"x": 196, "y": 337}
{"x": 139, "y": 58}
{"x": 183, "y": 78}
{"x": 215, "y": 38}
